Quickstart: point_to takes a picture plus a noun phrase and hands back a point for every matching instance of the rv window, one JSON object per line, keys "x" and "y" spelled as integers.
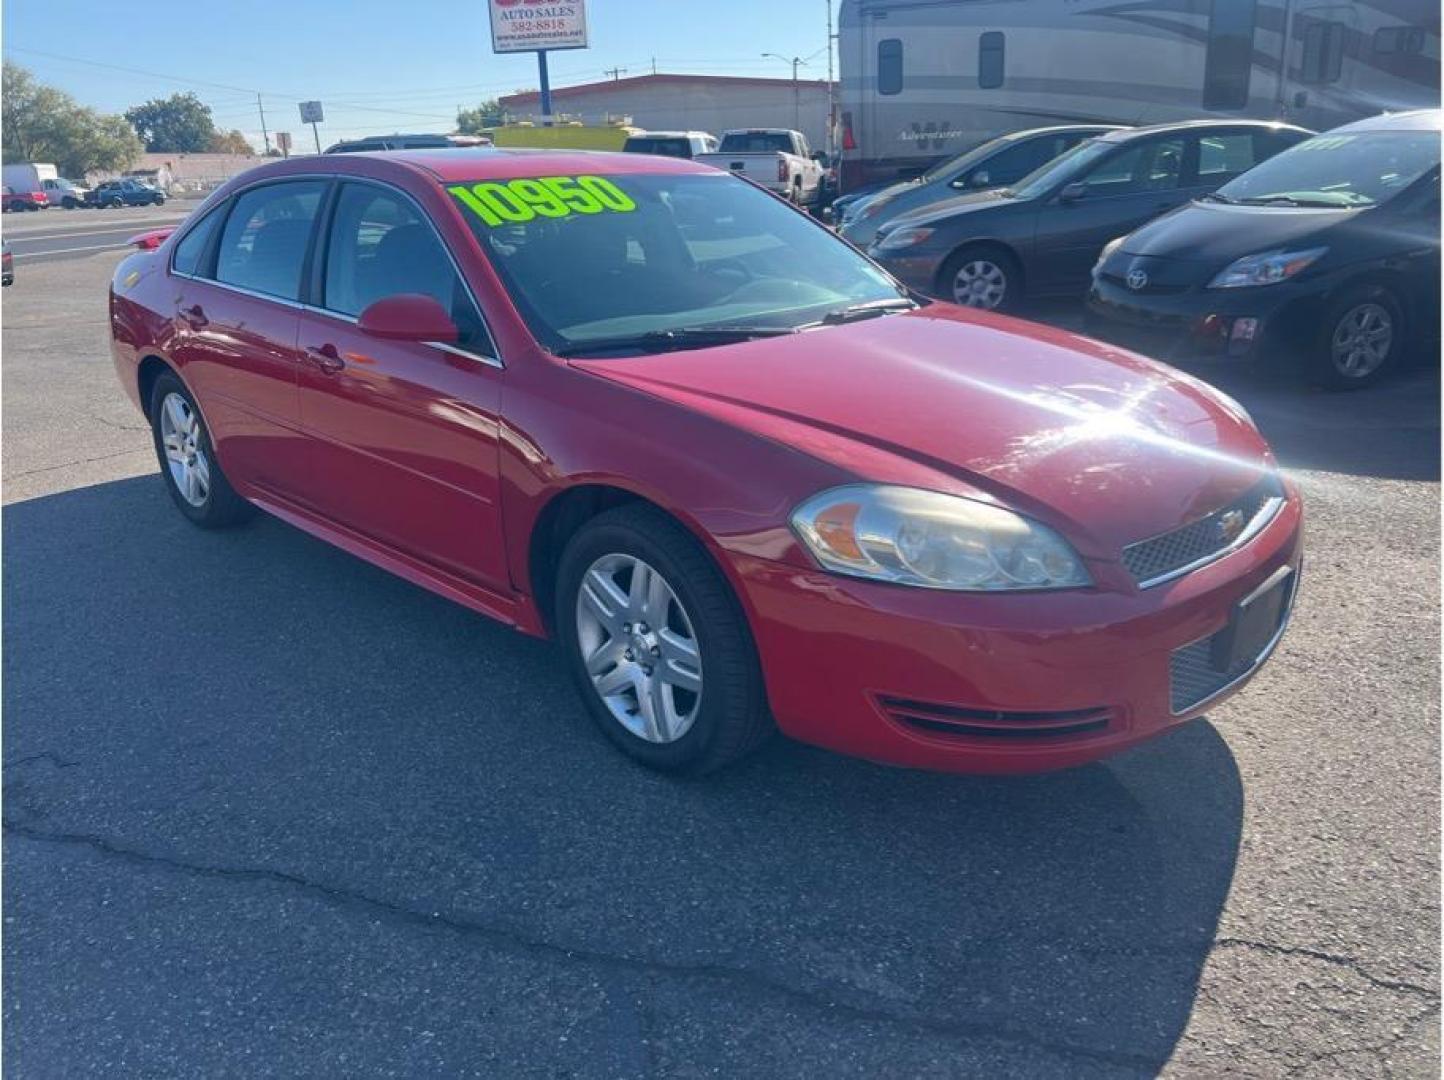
{"x": 889, "y": 66}
{"x": 990, "y": 59}
{"x": 1323, "y": 53}
{"x": 1399, "y": 39}
{"x": 1229, "y": 61}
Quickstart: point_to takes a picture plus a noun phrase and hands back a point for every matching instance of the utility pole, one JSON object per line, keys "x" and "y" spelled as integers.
{"x": 616, "y": 72}
{"x": 654, "y": 65}
{"x": 796, "y": 62}
{"x": 831, "y": 102}
{"x": 265, "y": 138}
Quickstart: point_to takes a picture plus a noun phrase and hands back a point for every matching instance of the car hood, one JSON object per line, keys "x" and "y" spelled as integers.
{"x": 1219, "y": 233}
{"x": 950, "y": 208}
{"x": 1102, "y": 444}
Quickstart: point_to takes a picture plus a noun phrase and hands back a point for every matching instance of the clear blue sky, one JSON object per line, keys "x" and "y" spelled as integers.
{"x": 378, "y": 66}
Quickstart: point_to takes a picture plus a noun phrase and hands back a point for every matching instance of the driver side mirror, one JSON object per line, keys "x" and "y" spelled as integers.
{"x": 408, "y": 317}
{"x": 1073, "y": 192}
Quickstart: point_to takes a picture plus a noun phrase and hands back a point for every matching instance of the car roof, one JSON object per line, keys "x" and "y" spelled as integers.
{"x": 670, "y": 135}
{"x": 1127, "y": 134}
{"x": 1412, "y": 120}
{"x": 493, "y": 163}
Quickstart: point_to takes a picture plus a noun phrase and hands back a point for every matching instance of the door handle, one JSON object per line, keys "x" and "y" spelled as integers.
{"x": 194, "y": 316}
{"x": 326, "y": 358}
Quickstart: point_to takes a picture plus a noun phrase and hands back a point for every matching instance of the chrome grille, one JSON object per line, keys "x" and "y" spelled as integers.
{"x": 1155, "y": 560}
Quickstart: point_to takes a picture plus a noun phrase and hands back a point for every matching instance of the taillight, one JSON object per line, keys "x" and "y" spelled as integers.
{"x": 848, "y": 141}
{"x": 782, "y": 169}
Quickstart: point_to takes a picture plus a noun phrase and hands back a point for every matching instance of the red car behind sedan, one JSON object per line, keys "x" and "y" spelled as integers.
{"x": 741, "y": 476}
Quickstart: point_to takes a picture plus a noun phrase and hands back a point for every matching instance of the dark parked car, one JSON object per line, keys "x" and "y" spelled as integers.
{"x": 423, "y": 141}
{"x": 1327, "y": 254}
{"x": 994, "y": 164}
{"x": 1042, "y": 236}
{"x": 117, "y": 193}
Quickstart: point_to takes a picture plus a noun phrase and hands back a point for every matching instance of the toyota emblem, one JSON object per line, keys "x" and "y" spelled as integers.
{"x": 1137, "y": 279}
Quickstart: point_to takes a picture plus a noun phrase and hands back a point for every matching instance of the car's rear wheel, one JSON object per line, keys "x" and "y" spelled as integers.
{"x": 69, "y": 202}
{"x": 116, "y": 203}
{"x": 983, "y": 278}
{"x": 1360, "y": 339}
{"x": 188, "y": 462}
{"x": 657, "y": 643}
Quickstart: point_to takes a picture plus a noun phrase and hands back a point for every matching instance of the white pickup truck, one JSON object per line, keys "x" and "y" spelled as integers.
{"x": 776, "y": 158}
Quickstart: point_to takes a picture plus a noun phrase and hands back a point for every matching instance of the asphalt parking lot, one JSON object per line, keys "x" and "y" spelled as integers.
{"x": 269, "y": 811}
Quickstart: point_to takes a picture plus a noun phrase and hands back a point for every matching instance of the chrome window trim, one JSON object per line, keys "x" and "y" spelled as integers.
{"x": 338, "y": 178}
{"x": 1261, "y": 520}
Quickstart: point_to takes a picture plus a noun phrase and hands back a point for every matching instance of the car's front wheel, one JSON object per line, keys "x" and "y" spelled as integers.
{"x": 188, "y": 462}
{"x": 1360, "y": 340}
{"x": 657, "y": 643}
{"x": 982, "y": 278}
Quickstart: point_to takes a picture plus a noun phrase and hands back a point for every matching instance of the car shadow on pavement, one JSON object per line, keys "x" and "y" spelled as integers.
{"x": 256, "y": 710}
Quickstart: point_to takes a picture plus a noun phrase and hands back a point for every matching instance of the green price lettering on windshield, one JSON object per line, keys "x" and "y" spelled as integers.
{"x": 515, "y": 201}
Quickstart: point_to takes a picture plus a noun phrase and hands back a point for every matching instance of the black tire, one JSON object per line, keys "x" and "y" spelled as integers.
{"x": 732, "y": 718}
{"x": 221, "y": 505}
{"x": 159, "y": 200}
{"x": 116, "y": 204}
{"x": 1013, "y": 287}
{"x": 1322, "y": 364}
{"x": 69, "y": 202}
{"x": 17, "y": 206}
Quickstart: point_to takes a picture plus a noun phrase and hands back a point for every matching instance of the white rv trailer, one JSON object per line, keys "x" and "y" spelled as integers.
{"x": 923, "y": 79}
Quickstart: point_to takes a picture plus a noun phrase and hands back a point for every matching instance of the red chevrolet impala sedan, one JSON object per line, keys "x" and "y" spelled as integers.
{"x": 741, "y": 476}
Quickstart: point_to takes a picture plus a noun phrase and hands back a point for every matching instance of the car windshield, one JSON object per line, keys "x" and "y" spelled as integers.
{"x": 1069, "y": 163}
{"x": 951, "y": 165}
{"x": 593, "y": 260}
{"x": 1345, "y": 169}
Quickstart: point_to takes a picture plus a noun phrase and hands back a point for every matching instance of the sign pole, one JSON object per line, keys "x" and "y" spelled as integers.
{"x": 546, "y": 87}
{"x": 315, "y": 134}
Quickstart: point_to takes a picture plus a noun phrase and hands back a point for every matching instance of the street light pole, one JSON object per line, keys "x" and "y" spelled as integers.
{"x": 796, "y": 62}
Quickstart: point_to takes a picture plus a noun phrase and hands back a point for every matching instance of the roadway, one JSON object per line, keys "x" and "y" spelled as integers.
{"x": 48, "y": 235}
{"x": 270, "y": 811}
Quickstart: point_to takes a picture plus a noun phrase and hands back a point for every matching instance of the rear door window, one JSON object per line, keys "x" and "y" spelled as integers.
{"x": 263, "y": 245}
{"x": 1222, "y": 157}
{"x": 192, "y": 247}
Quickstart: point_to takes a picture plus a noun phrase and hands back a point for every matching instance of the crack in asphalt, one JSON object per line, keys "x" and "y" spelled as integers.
{"x": 44, "y": 755}
{"x": 742, "y": 979}
{"x": 81, "y": 461}
{"x": 1331, "y": 958}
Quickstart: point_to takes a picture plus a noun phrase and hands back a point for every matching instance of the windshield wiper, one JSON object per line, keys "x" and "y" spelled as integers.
{"x": 868, "y": 310}
{"x": 681, "y": 337}
{"x": 1293, "y": 200}
{"x": 1213, "y": 196}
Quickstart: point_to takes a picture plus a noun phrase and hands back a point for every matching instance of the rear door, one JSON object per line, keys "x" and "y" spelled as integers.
{"x": 402, "y": 441}
{"x": 238, "y": 280}
{"x": 1136, "y": 183}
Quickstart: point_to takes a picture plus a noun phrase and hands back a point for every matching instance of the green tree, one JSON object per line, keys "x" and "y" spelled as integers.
{"x": 488, "y": 114}
{"x": 232, "y": 142}
{"x": 179, "y": 124}
{"x": 42, "y": 123}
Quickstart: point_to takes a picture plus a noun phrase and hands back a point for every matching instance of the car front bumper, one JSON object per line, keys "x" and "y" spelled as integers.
{"x": 1000, "y": 683}
{"x": 1258, "y": 325}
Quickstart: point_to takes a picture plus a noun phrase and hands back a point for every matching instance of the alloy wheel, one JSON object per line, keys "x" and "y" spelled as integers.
{"x": 980, "y": 283}
{"x": 1362, "y": 340}
{"x": 180, "y": 434}
{"x": 639, "y": 648}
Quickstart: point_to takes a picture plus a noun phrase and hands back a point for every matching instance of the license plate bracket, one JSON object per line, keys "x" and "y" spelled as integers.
{"x": 1253, "y": 623}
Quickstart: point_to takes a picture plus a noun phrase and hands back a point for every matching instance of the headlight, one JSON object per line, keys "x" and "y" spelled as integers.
{"x": 914, "y": 537}
{"x": 902, "y": 238}
{"x": 1108, "y": 249}
{"x": 1265, "y": 268}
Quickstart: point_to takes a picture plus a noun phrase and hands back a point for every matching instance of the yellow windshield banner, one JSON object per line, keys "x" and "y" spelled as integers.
{"x": 511, "y": 202}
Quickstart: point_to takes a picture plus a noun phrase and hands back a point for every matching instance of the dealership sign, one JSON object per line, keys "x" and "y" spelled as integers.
{"x": 527, "y": 25}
